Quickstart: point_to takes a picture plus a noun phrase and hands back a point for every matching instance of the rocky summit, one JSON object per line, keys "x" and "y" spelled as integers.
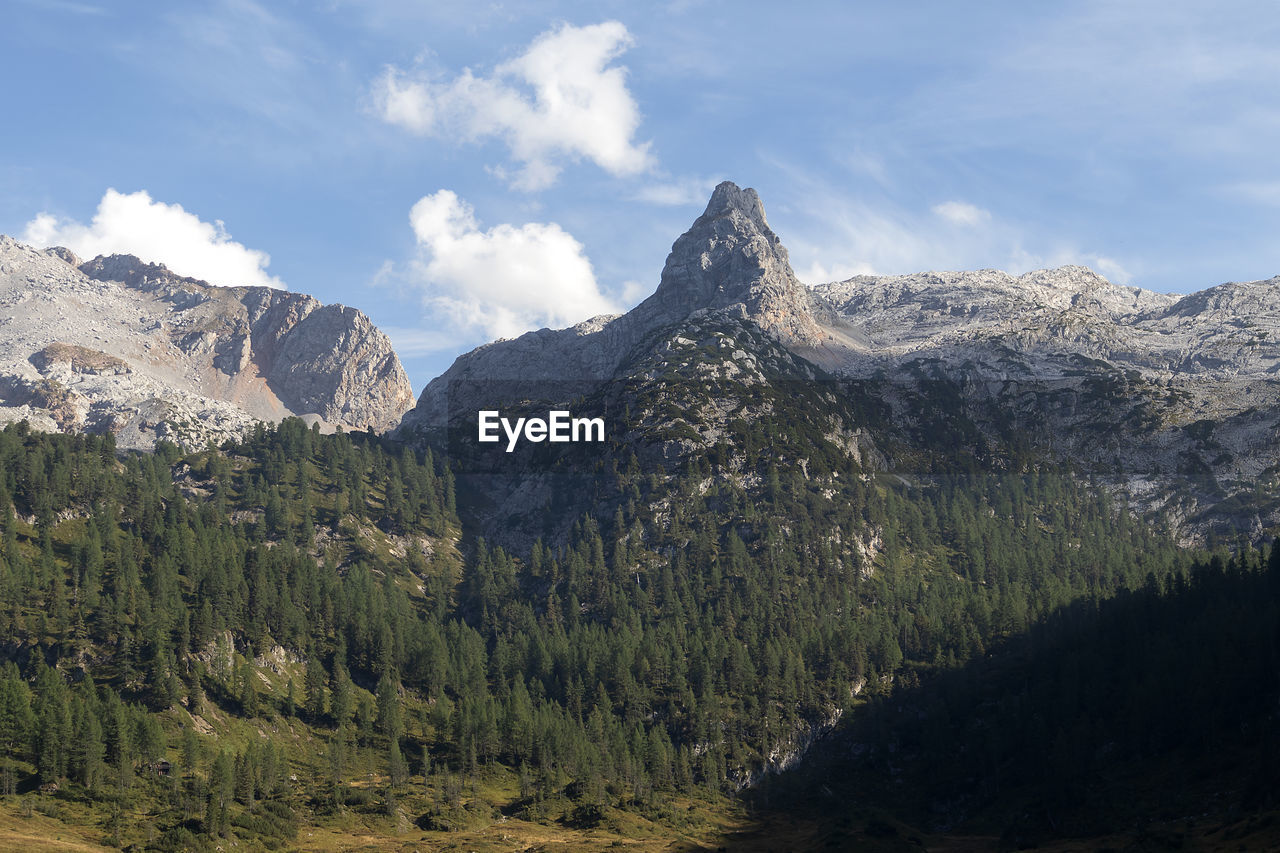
{"x": 1172, "y": 401}
{"x": 728, "y": 263}
{"x": 116, "y": 345}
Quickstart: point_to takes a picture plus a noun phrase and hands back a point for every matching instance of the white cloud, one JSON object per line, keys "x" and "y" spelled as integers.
{"x": 634, "y": 292}
{"x": 134, "y": 224}
{"x": 560, "y": 99}
{"x": 961, "y": 213}
{"x": 505, "y": 280}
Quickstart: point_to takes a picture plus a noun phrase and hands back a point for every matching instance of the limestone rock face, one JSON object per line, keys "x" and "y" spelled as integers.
{"x": 731, "y": 257}
{"x": 118, "y": 345}
{"x": 337, "y": 363}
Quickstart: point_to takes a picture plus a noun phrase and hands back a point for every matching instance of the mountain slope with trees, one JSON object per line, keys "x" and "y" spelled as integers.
{"x": 1144, "y": 721}
{"x": 295, "y": 639}
{"x": 294, "y": 632}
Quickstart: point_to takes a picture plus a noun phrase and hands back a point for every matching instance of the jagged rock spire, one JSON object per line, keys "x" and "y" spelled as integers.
{"x": 730, "y": 256}
{"x": 728, "y": 197}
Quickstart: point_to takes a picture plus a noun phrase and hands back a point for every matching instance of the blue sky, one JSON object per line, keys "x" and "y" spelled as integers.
{"x": 465, "y": 170}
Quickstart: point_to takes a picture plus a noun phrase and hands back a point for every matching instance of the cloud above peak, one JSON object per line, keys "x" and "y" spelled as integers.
{"x": 561, "y": 100}
{"x": 504, "y": 280}
{"x": 961, "y": 213}
{"x": 135, "y": 224}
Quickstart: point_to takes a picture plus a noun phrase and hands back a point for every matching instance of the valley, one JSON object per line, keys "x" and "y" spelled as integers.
{"x": 947, "y": 561}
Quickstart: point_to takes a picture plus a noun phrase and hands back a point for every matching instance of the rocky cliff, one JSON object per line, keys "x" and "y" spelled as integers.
{"x": 122, "y": 346}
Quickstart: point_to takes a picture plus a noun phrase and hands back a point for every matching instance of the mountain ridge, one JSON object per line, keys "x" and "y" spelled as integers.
{"x": 1173, "y": 401}
{"x": 180, "y": 359}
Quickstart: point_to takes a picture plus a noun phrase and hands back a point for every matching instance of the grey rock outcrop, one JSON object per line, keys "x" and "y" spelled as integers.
{"x": 118, "y": 345}
{"x": 730, "y": 257}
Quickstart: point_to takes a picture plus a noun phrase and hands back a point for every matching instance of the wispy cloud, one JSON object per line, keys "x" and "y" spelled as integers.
{"x": 681, "y": 192}
{"x": 243, "y": 71}
{"x": 962, "y": 213}
{"x": 1122, "y": 77}
{"x": 832, "y": 236}
{"x": 411, "y": 341}
{"x": 562, "y": 99}
{"x": 1110, "y": 269}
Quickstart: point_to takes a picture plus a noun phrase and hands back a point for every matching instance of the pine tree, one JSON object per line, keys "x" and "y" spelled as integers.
{"x": 217, "y": 819}
{"x": 389, "y": 716}
{"x": 397, "y": 768}
{"x": 53, "y": 723}
{"x": 315, "y": 691}
{"x": 17, "y": 720}
{"x": 343, "y": 698}
{"x": 88, "y": 747}
{"x": 248, "y": 689}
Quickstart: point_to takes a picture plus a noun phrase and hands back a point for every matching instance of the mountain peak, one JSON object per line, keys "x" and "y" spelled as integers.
{"x": 729, "y": 262}
{"x": 729, "y": 197}
{"x": 730, "y": 256}
{"x": 137, "y": 273}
